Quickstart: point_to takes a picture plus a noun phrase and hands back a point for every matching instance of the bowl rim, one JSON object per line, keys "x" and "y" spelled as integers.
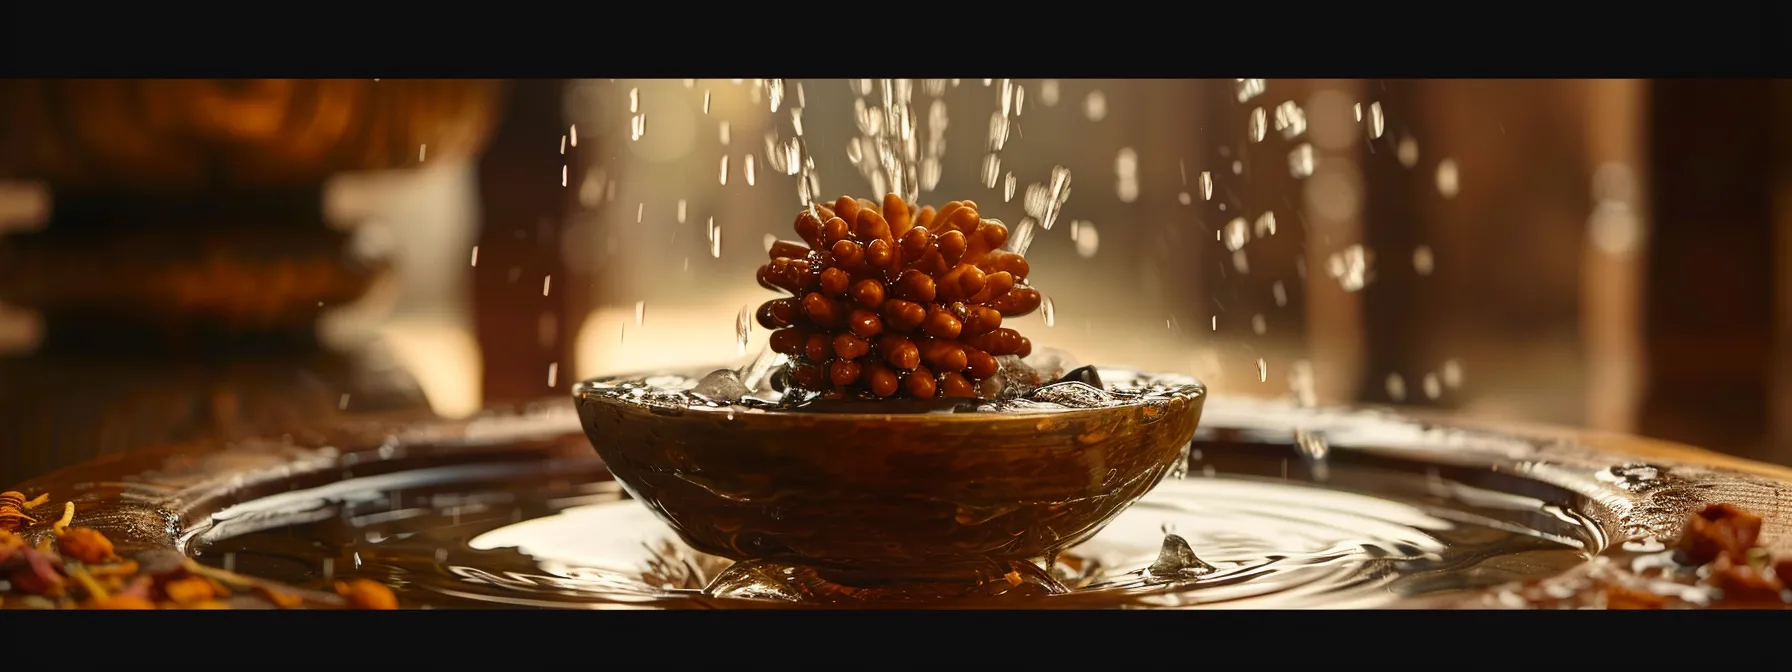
{"x": 1194, "y": 391}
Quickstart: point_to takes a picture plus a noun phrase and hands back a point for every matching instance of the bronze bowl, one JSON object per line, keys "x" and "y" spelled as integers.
{"x": 887, "y": 506}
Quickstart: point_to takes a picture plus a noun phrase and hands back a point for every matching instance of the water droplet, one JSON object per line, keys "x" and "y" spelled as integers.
{"x": 1206, "y": 182}
{"x": 724, "y": 174}
{"x": 1087, "y": 239}
{"x": 634, "y": 100}
{"x": 1407, "y": 151}
{"x": 706, "y": 101}
{"x": 638, "y": 127}
{"x": 992, "y": 170}
{"x": 1237, "y": 169}
{"x": 715, "y": 241}
{"x": 1249, "y": 88}
{"x": 681, "y": 210}
{"x": 1095, "y": 106}
{"x": 1300, "y": 161}
{"x": 1237, "y": 233}
{"x": 1280, "y": 294}
{"x": 1126, "y": 169}
{"x": 1048, "y": 92}
{"x": 1176, "y": 560}
{"x": 1433, "y": 388}
{"x": 1183, "y": 198}
{"x": 1259, "y": 125}
{"x": 1259, "y": 324}
{"x": 1266, "y": 224}
{"x": 1314, "y": 451}
{"x": 1008, "y": 188}
{"x": 475, "y": 255}
{"x": 743, "y": 329}
{"x": 1396, "y": 386}
{"x": 1021, "y": 237}
{"x": 1378, "y": 124}
{"x": 640, "y": 312}
{"x": 1453, "y": 374}
{"x": 1262, "y": 370}
{"x": 1351, "y": 267}
{"x": 1447, "y": 179}
{"x": 1049, "y": 312}
{"x": 1422, "y": 262}
{"x": 553, "y": 373}
{"x": 342, "y": 403}
{"x": 1291, "y": 121}
{"x": 547, "y": 283}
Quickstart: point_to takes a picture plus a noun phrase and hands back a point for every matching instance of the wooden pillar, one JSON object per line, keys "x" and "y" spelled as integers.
{"x": 519, "y": 279}
{"x": 1710, "y": 277}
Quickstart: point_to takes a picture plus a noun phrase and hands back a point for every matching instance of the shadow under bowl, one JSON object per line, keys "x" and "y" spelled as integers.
{"x": 880, "y": 498}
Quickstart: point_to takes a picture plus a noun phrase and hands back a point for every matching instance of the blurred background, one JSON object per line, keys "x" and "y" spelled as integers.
{"x": 190, "y": 260}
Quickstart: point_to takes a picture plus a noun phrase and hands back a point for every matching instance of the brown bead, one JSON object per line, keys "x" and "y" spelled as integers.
{"x": 846, "y": 208}
{"x": 1025, "y": 348}
{"x": 941, "y": 324}
{"x": 809, "y": 228}
{"x": 924, "y": 217}
{"x": 1017, "y": 302}
{"x": 779, "y": 313}
{"x": 997, "y": 262}
{"x": 951, "y": 245}
{"x": 808, "y": 376}
{"x": 992, "y": 235}
{"x": 848, "y": 254}
{"x": 864, "y": 323}
{"x": 789, "y": 342}
{"x": 880, "y": 254}
{"x": 818, "y": 348}
{"x": 919, "y": 384}
{"x": 868, "y": 293}
{"x": 788, "y": 249}
{"x": 823, "y": 311}
{"x": 834, "y": 281}
{"x": 980, "y": 320}
{"x": 848, "y": 346}
{"x": 960, "y": 283}
{"x": 899, "y": 351}
{"x": 979, "y": 364}
{"x": 956, "y": 385}
{"x": 915, "y": 286}
{"x": 843, "y": 372}
{"x": 943, "y": 355}
{"x": 995, "y": 285}
{"x": 834, "y": 231}
{"x": 896, "y": 212}
{"x": 870, "y": 225}
{"x": 881, "y": 380}
{"x": 915, "y": 243}
{"x": 903, "y": 316}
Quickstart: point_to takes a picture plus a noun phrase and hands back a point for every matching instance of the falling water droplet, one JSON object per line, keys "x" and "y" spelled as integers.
{"x": 1259, "y": 125}
{"x": 1259, "y": 324}
{"x": 726, "y": 135}
{"x": 1095, "y": 106}
{"x": 681, "y": 208}
{"x": 1300, "y": 161}
{"x": 1237, "y": 233}
{"x": 1313, "y": 451}
{"x": 1262, "y": 370}
{"x": 1396, "y": 387}
{"x": 1422, "y": 263}
{"x": 706, "y": 101}
{"x": 1280, "y": 294}
{"x": 1248, "y": 89}
{"x": 1447, "y": 179}
{"x": 1008, "y": 188}
{"x": 749, "y": 170}
{"x": 1407, "y": 151}
{"x": 1266, "y": 224}
{"x": 743, "y": 329}
{"x": 1049, "y": 312}
{"x": 553, "y": 373}
{"x": 547, "y": 282}
{"x": 1087, "y": 239}
{"x": 1206, "y": 182}
{"x": 1453, "y": 374}
{"x": 724, "y": 174}
{"x": 1126, "y": 170}
{"x": 1377, "y": 123}
{"x": 640, "y": 312}
{"x": 1048, "y": 92}
{"x": 1433, "y": 388}
{"x": 715, "y": 243}
{"x": 475, "y": 255}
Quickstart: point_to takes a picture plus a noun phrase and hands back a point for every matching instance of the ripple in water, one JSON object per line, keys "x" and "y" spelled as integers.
{"x": 562, "y": 535}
